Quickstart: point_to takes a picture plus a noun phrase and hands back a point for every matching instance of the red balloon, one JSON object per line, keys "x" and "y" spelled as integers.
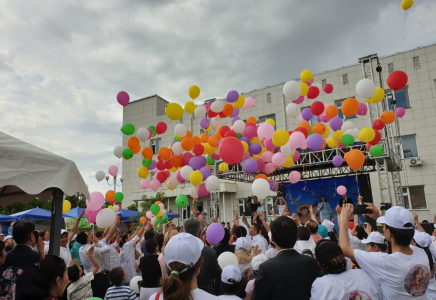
{"x": 313, "y": 92}
{"x": 290, "y": 132}
{"x": 397, "y": 80}
{"x": 167, "y": 173}
{"x": 211, "y": 114}
{"x": 160, "y": 165}
{"x": 368, "y": 146}
{"x": 231, "y": 150}
{"x": 223, "y": 130}
{"x": 260, "y": 164}
{"x": 161, "y": 127}
{"x": 303, "y": 131}
{"x": 222, "y": 115}
{"x": 378, "y": 124}
{"x": 168, "y": 164}
{"x": 328, "y": 88}
{"x": 230, "y": 133}
{"x": 198, "y": 149}
{"x": 377, "y": 138}
{"x": 317, "y": 108}
{"x": 186, "y": 157}
{"x": 161, "y": 177}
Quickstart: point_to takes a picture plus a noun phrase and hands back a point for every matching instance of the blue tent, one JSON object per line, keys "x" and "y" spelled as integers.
{"x": 73, "y": 213}
{"x": 34, "y": 214}
{"x": 126, "y": 214}
{"x": 172, "y": 215}
{"x": 6, "y": 218}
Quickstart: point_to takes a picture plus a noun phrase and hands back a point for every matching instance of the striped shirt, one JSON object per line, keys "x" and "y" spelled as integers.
{"x": 120, "y": 293}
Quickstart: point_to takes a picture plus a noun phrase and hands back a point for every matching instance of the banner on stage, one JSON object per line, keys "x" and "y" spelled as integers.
{"x": 84, "y": 223}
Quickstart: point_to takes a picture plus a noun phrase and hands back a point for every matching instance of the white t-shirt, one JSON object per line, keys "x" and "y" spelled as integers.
{"x": 300, "y": 246}
{"x": 347, "y": 285}
{"x": 197, "y": 294}
{"x": 64, "y": 253}
{"x": 400, "y": 276}
{"x": 280, "y": 208}
{"x": 81, "y": 289}
{"x": 357, "y": 244}
{"x": 229, "y": 297}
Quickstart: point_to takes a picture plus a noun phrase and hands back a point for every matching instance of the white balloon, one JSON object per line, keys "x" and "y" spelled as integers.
{"x": 173, "y": 182}
{"x": 292, "y": 110}
{"x": 116, "y": 208}
{"x": 163, "y": 212}
{"x": 217, "y": 121}
{"x": 365, "y": 88}
{"x": 348, "y": 131}
{"x": 185, "y": 172}
{"x": 118, "y": 151}
{"x": 318, "y": 86}
{"x": 238, "y": 126}
{"x": 194, "y": 192}
{"x": 200, "y": 112}
{"x": 152, "y": 219}
{"x": 292, "y": 90}
{"x": 105, "y": 218}
{"x": 287, "y": 150}
{"x": 99, "y": 175}
{"x": 227, "y": 258}
{"x": 356, "y": 134}
{"x": 212, "y": 183}
{"x": 347, "y": 125}
{"x": 217, "y": 106}
{"x": 260, "y": 188}
{"x": 134, "y": 283}
{"x": 180, "y": 130}
{"x": 143, "y": 134}
{"x": 177, "y": 148}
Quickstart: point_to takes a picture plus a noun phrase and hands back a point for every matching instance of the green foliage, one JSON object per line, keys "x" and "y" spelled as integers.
{"x": 132, "y": 207}
{"x": 77, "y": 200}
{"x": 145, "y": 205}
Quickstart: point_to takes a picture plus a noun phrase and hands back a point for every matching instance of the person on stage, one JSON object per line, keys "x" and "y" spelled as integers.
{"x": 345, "y": 199}
{"x": 325, "y": 211}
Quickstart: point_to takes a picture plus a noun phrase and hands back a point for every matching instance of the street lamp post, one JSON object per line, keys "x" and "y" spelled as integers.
{"x": 114, "y": 183}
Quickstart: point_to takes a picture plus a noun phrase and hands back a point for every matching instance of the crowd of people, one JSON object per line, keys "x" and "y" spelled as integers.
{"x": 293, "y": 256}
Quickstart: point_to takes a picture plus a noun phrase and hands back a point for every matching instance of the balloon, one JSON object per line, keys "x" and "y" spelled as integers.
{"x": 265, "y": 131}
{"x": 400, "y": 112}
{"x": 110, "y": 196}
{"x": 182, "y": 200}
{"x": 143, "y": 172}
{"x": 135, "y": 280}
{"x": 204, "y": 123}
{"x": 215, "y": 233}
{"x": 185, "y": 172}
{"x": 299, "y": 100}
{"x": 350, "y": 107}
{"x": 355, "y": 159}
{"x": 174, "y": 111}
{"x": 66, "y": 206}
{"x": 338, "y": 160}
{"x": 119, "y": 197}
{"x": 165, "y": 219}
{"x": 223, "y": 167}
{"x": 123, "y": 98}
{"x": 118, "y": 151}
{"x": 143, "y": 134}
{"x": 149, "y": 214}
{"x": 152, "y": 130}
{"x": 155, "y": 184}
{"x": 155, "y": 209}
{"x": 249, "y": 102}
{"x": 105, "y": 218}
{"x": 165, "y": 153}
{"x": 331, "y": 111}
{"x": 228, "y": 109}
{"x": 347, "y": 140}
{"x": 304, "y": 89}
{"x": 190, "y": 107}
{"x": 200, "y": 112}
{"x": 161, "y": 127}
{"x": 296, "y": 139}
{"x": 212, "y": 183}
{"x": 206, "y": 172}
{"x": 147, "y": 152}
{"x": 378, "y": 96}
{"x": 260, "y": 188}
{"x": 328, "y": 88}
{"x": 337, "y": 135}
{"x": 278, "y": 159}
{"x": 217, "y": 106}
{"x": 397, "y": 80}
{"x": 235, "y": 112}
{"x": 128, "y": 129}
{"x": 144, "y": 184}
{"x": 336, "y": 123}
{"x": 376, "y": 150}
{"x": 319, "y": 128}
{"x": 99, "y": 175}
{"x": 388, "y": 117}
{"x": 313, "y": 92}
{"x": 113, "y": 170}
{"x": 196, "y": 178}
{"x": 362, "y": 109}
{"x": 97, "y": 201}
{"x": 292, "y": 110}
{"x": 317, "y": 108}
{"x": 378, "y": 124}
{"x": 306, "y": 114}
{"x": 231, "y": 150}
{"x": 294, "y": 176}
{"x": 194, "y": 92}
{"x": 227, "y": 258}
{"x": 332, "y": 143}
{"x": 240, "y": 102}
{"x": 341, "y": 190}
{"x": 406, "y": 4}
{"x": 306, "y": 75}
{"x": 238, "y": 126}
{"x": 292, "y": 90}
{"x": 366, "y": 135}
{"x": 250, "y": 166}
{"x": 280, "y": 138}
{"x": 347, "y": 125}
{"x": 365, "y": 88}
{"x": 232, "y": 96}
{"x": 315, "y": 142}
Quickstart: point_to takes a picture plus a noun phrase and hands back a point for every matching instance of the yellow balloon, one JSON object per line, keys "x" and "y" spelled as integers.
{"x": 110, "y": 207}
{"x": 159, "y": 214}
{"x": 66, "y": 206}
{"x": 326, "y": 133}
{"x": 379, "y": 95}
{"x": 306, "y": 75}
{"x": 209, "y": 149}
{"x": 332, "y": 143}
{"x": 271, "y": 121}
{"x": 194, "y": 92}
{"x": 245, "y": 146}
{"x": 254, "y": 140}
{"x": 223, "y": 167}
{"x": 143, "y": 172}
{"x": 366, "y": 135}
{"x": 174, "y": 111}
{"x": 304, "y": 89}
{"x": 208, "y": 128}
{"x": 337, "y": 135}
{"x": 406, "y": 4}
{"x": 262, "y": 152}
{"x": 289, "y": 162}
{"x": 173, "y": 169}
{"x": 240, "y": 102}
{"x": 280, "y": 138}
{"x": 196, "y": 178}
{"x": 190, "y": 107}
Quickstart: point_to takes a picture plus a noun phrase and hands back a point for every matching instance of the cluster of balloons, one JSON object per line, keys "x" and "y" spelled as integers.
{"x": 95, "y": 214}
{"x": 156, "y": 214}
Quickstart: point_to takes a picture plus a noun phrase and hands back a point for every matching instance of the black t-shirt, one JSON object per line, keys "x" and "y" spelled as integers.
{"x": 151, "y": 271}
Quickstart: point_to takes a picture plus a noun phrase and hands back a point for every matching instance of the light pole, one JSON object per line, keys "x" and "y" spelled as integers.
{"x": 114, "y": 182}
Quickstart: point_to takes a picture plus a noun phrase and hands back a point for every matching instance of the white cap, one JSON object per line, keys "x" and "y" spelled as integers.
{"x": 231, "y": 274}
{"x": 8, "y": 237}
{"x": 242, "y": 243}
{"x": 329, "y": 224}
{"x": 270, "y": 253}
{"x": 374, "y": 237}
{"x": 397, "y": 217}
{"x": 257, "y": 260}
{"x": 63, "y": 231}
{"x": 423, "y": 239}
{"x": 183, "y": 248}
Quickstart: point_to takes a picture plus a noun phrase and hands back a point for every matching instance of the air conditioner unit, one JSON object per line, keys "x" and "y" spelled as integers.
{"x": 413, "y": 162}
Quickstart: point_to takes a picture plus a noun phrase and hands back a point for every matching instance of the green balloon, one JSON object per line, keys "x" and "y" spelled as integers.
{"x": 146, "y": 162}
{"x": 210, "y": 161}
{"x": 165, "y": 219}
{"x": 239, "y": 135}
{"x": 127, "y": 153}
{"x": 182, "y": 200}
{"x": 119, "y": 197}
{"x": 153, "y": 128}
{"x": 311, "y": 130}
{"x": 157, "y": 221}
{"x": 128, "y": 129}
{"x": 347, "y": 140}
{"x": 376, "y": 150}
{"x": 176, "y": 139}
{"x": 155, "y": 209}
{"x": 156, "y": 228}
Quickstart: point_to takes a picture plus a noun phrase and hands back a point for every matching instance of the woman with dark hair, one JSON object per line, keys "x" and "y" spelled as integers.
{"x": 224, "y": 245}
{"x": 46, "y": 279}
{"x": 325, "y": 211}
{"x": 337, "y": 282}
{"x": 45, "y": 237}
{"x": 375, "y": 242}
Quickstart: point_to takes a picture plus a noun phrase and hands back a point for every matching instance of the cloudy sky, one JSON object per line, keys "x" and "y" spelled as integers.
{"x": 62, "y": 63}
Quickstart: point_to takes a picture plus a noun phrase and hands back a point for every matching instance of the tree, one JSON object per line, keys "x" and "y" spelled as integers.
{"x": 77, "y": 200}
{"x": 133, "y": 207}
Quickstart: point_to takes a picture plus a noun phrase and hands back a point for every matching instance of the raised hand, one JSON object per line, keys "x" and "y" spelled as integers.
{"x": 376, "y": 213}
{"x": 90, "y": 252}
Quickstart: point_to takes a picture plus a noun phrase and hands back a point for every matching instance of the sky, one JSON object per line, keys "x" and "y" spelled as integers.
{"x": 62, "y": 63}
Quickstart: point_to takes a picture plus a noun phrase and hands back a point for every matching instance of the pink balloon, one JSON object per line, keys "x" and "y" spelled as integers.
{"x": 296, "y": 156}
{"x": 296, "y": 140}
{"x": 179, "y": 177}
{"x": 144, "y": 184}
{"x": 265, "y": 131}
{"x": 278, "y": 159}
{"x": 340, "y": 145}
{"x": 162, "y": 206}
{"x": 294, "y": 176}
{"x": 123, "y": 98}
{"x": 202, "y": 192}
{"x": 299, "y": 100}
{"x": 269, "y": 145}
{"x": 97, "y": 201}
{"x": 113, "y": 170}
{"x": 267, "y": 156}
{"x": 92, "y": 215}
{"x": 155, "y": 184}
{"x": 342, "y": 190}
{"x": 246, "y": 155}
{"x": 309, "y": 83}
{"x": 249, "y": 102}
{"x": 400, "y": 112}
{"x": 362, "y": 109}
{"x": 269, "y": 168}
{"x": 149, "y": 215}
{"x": 207, "y": 106}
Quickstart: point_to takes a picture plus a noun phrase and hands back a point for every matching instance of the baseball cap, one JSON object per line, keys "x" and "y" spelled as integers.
{"x": 63, "y": 231}
{"x": 231, "y": 274}
{"x": 374, "y": 237}
{"x": 183, "y": 248}
{"x": 8, "y": 237}
{"x": 242, "y": 243}
{"x": 422, "y": 238}
{"x": 322, "y": 231}
{"x": 397, "y": 217}
{"x": 257, "y": 260}
{"x": 329, "y": 224}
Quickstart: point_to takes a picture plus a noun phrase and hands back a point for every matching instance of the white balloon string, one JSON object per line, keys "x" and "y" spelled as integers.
{"x": 404, "y": 23}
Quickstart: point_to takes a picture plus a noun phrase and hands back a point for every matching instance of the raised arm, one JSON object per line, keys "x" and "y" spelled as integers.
{"x": 312, "y": 214}
{"x": 112, "y": 230}
{"x": 40, "y": 246}
{"x": 90, "y": 254}
{"x": 273, "y": 213}
{"x": 277, "y": 199}
{"x": 75, "y": 228}
{"x": 344, "y": 239}
{"x": 264, "y": 223}
{"x": 418, "y": 225}
{"x": 100, "y": 246}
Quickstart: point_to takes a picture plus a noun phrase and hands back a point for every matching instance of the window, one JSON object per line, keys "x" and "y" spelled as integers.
{"x": 401, "y": 98}
{"x": 345, "y": 78}
{"x": 181, "y": 120}
{"x": 408, "y": 145}
{"x": 416, "y": 63}
{"x": 186, "y": 211}
{"x": 390, "y": 68}
{"x": 264, "y": 118}
{"x": 241, "y": 206}
{"x": 268, "y": 97}
{"x": 324, "y": 82}
{"x": 414, "y": 197}
{"x": 151, "y": 175}
{"x": 269, "y": 206}
{"x": 155, "y": 145}
{"x": 311, "y": 121}
{"x": 340, "y": 114}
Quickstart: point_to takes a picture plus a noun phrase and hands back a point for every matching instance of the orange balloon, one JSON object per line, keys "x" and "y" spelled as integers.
{"x": 388, "y": 117}
{"x": 355, "y": 159}
{"x": 305, "y": 125}
{"x": 331, "y": 111}
{"x": 187, "y": 143}
{"x": 147, "y": 152}
{"x": 204, "y": 137}
{"x": 165, "y": 153}
{"x": 263, "y": 176}
{"x": 323, "y": 146}
{"x": 319, "y": 128}
{"x": 213, "y": 140}
{"x": 251, "y": 120}
{"x": 110, "y": 196}
{"x": 133, "y": 142}
{"x": 228, "y": 109}
{"x": 188, "y": 134}
{"x": 158, "y": 202}
{"x": 142, "y": 220}
{"x": 137, "y": 149}
{"x": 176, "y": 161}
{"x": 196, "y": 140}
{"x": 350, "y": 107}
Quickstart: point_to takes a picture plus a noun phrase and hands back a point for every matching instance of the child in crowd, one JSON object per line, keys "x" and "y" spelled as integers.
{"x": 119, "y": 291}
{"x": 231, "y": 281}
{"x": 255, "y": 263}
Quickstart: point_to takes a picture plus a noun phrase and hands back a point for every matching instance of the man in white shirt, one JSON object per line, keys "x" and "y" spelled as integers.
{"x": 111, "y": 258}
{"x": 257, "y": 239}
{"x": 305, "y": 241}
{"x": 403, "y": 274}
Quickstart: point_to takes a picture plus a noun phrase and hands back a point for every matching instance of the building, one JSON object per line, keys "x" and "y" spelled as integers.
{"x": 417, "y": 128}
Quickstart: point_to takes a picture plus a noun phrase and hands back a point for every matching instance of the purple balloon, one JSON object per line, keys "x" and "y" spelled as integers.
{"x": 337, "y": 160}
{"x": 206, "y": 172}
{"x": 306, "y": 114}
{"x": 245, "y": 139}
{"x": 315, "y": 142}
{"x": 234, "y": 119}
{"x": 255, "y": 148}
{"x": 195, "y": 163}
{"x": 215, "y": 233}
{"x": 232, "y": 96}
{"x": 203, "y": 161}
{"x": 235, "y": 112}
{"x": 336, "y": 123}
{"x": 219, "y": 142}
{"x": 273, "y": 185}
{"x": 152, "y": 166}
{"x": 204, "y": 123}
{"x": 318, "y": 119}
{"x": 250, "y": 165}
